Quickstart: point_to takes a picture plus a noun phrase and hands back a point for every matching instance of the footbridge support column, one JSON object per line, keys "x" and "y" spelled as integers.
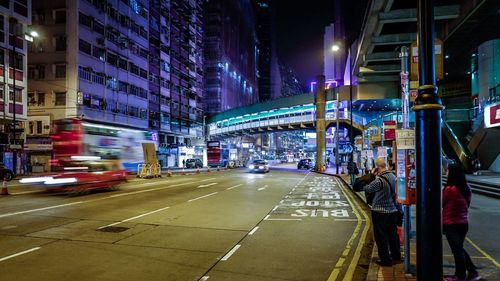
{"x": 320, "y": 103}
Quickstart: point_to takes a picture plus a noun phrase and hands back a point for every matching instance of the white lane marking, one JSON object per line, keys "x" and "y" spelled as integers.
{"x": 136, "y": 217}
{"x": 262, "y": 188}
{"x": 26, "y": 192}
{"x": 40, "y": 209}
{"x": 20, "y": 253}
{"x": 284, "y": 219}
{"x": 207, "y": 185}
{"x": 209, "y": 179}
{"x": 267, "y": 217}
{"x": 228, "y": 255}
{"x": 253, "y": 230}
{"x": 152, "y": 189}
{"x": 229, "y": 188}
{"x": 95, "y": 200}
{"x": 204, "y": 278}
{"x": 275, "y": 207}
{"x": 191, "y": 200}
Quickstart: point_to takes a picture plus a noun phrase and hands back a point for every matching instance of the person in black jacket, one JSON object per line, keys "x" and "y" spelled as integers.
{"x": 384, "y": 213}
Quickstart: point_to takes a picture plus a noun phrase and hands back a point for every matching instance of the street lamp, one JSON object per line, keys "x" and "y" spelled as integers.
{"x": 336, "y": 48}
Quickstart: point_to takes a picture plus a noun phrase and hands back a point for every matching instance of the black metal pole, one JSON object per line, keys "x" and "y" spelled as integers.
{"x": 351, "y": 132}
{"x": 428, "y": 109}
{"x": 12, "y": 25}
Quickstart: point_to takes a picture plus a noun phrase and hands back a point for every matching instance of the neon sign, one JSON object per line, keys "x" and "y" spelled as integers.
{"x": 329, "y": 83}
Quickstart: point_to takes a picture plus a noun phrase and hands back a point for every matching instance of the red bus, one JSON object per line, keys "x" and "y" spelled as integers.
{"x": 213, "y": 153}
{"x": 76, "y": 137}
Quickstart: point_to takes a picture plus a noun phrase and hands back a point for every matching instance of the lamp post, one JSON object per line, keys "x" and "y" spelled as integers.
{"x": 428, "y": 110}
{"x": 13, "y": 25}
{"x": 336, "y": 48}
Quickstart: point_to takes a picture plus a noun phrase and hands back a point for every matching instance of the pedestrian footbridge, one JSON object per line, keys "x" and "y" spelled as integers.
{"x": 289, "y": 113}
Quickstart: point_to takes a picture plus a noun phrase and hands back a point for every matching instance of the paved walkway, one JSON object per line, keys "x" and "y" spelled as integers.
{"x": 376, "y": 272}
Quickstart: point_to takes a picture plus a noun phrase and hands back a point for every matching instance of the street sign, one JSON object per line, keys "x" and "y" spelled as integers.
{"x": 439, "y": 55}
{"x": 405, "y": 139}
{"x": 389, "y": 130}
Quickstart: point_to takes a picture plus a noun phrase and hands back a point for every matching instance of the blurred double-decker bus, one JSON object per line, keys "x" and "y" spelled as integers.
{"x": 76, "y": 137}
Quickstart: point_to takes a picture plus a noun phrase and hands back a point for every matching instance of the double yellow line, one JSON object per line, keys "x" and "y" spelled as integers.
{"x": 356, "y": 208}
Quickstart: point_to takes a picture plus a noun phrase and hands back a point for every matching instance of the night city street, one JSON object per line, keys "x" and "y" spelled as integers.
{"x": 231, "y": 225}
{"x": 252, "y": 140}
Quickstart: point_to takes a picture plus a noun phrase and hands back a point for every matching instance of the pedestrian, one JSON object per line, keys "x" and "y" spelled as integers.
{"x": 385, "y": 214}
{"x": 183, "y": 163}
{"x": 456, "y": 201}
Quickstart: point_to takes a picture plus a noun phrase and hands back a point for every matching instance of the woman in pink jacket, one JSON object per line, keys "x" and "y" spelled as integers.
{"x": 456, "y": 202}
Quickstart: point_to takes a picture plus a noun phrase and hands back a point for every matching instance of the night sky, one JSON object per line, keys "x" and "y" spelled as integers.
{"x": 300, "y": 28}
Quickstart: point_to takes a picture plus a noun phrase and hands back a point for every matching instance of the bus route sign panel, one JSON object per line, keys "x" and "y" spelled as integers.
{"x": 405, "y": 139}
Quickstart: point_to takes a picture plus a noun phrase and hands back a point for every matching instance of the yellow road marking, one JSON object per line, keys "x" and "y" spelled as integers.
{"x": 357, "y": 254}
{"x": 352, "y": 266}
{"x": 486, "y": 255}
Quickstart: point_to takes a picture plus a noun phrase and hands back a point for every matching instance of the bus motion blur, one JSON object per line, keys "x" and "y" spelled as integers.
{"x": 75, "y": 137}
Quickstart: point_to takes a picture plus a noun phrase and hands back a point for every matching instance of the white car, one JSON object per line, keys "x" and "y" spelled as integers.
{"x": 258, "y": 166}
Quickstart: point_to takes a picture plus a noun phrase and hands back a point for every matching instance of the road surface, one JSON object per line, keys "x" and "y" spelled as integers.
{"x": 227, "y": 225}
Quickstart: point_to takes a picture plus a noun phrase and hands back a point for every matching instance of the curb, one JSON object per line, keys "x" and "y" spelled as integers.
{"x": 372, "y": 274}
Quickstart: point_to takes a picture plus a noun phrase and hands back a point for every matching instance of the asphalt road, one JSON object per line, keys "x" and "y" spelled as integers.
{"x": 228, "y": 225}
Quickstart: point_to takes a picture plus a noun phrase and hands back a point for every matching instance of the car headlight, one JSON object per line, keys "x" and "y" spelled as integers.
{"x": 251, "y": 166}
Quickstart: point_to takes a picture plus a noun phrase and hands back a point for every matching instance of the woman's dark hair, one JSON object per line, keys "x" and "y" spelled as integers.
{"x": 456, "y": 177}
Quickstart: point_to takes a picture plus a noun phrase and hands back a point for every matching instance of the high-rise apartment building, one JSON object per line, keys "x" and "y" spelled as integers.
{"x": 15, "y": 16}
{"x": 290, "y": 83}
{"x": 132, "y": 64}
{"x": 230, "y": 55}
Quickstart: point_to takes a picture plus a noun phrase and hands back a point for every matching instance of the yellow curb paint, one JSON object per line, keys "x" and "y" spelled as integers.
{"x": 357, "y": 254}
{"x": 486, "y": 255}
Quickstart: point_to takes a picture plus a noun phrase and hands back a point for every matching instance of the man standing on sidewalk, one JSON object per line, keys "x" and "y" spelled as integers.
{"x": 384, "y": 214}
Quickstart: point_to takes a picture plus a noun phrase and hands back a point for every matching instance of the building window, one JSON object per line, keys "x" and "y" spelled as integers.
{"x": 99, "y": 53}
{"x": 60, "y": 98}
{"x": 84, "y": 73}
{"x": 98, "y": 27}
{"x": 123, "y": 64}
{"x": 31, "y": 127}
{"x": 40, "y": 71}
{"x": 60, "y": 16}
{"x": 18, "y": 63}
{"x": 60, "y": 71}
{"x": 85, "y": 47}
{"x": 112, "y": 59}
{"x": 2, "y": 28}
{"x": 39, "y": 127}
{"x": 85, "y": 20}
{"x": 21, "y": 7}
{"x": 40, "y": 99}
{"x": 60, "y": 42}
{"x": 1, "y": 92}
{"x": 19, "y": 94}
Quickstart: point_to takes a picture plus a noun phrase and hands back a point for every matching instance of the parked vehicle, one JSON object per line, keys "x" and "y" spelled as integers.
{"x": 5, "y": 173}
{"x": 305, "y": 164}
{"x": 260, "y": 166}
{"x": 194, "y": 163}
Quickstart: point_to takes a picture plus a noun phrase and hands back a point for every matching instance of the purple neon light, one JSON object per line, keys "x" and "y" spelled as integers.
{"x": 328, "y": 83}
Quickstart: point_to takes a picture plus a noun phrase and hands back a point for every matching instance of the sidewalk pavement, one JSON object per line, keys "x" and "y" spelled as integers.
{"x": 486, "y": 177}
{"x": 376, "y": 272}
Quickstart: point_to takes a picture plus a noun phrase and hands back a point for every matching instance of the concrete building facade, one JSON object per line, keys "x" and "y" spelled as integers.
{"x": 15, "y": 17}
{"x": 123, "y": 63}
{"x": 230, "y": 54}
